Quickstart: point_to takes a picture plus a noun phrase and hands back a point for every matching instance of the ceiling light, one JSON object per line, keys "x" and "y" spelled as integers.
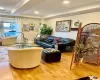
{"x": 2, "y": 8}
{"x": 36, "y": 12}
{"x": 66, "y": 2}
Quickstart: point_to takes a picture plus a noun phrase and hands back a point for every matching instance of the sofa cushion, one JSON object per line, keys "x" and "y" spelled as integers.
{"x": 49, "y": 39}
{"x": 44, "y": 44}
{"x": 54, "y": 42}
{"x": 64, "y": 40}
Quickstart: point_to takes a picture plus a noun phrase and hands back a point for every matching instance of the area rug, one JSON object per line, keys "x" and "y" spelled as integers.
{"x": 3, "y": 54}
{"x": 89, "y": 78}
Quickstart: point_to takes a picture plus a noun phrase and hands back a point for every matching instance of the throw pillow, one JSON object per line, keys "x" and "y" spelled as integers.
{"x": 57, "y": 40}
{"x": 49, "y": 39}
{"x": 64, "y": 40}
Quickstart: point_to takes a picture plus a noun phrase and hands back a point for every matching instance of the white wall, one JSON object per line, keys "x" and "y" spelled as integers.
{"x": 84, "y": 18}
{"x": 31, "y": 34}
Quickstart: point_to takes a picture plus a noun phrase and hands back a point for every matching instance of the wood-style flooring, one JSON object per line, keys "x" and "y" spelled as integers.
{"x": 49, "y": 71}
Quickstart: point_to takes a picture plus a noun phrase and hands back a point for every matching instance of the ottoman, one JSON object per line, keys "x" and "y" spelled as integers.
{"x": 51, "y": 55}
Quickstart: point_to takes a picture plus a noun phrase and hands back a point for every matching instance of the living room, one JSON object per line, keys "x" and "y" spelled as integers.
{"x": 40, "y": 40}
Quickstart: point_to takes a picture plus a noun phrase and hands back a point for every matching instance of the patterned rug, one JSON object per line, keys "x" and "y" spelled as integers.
{"x": 3, "y": 54}
{"x": 89, "y": 78}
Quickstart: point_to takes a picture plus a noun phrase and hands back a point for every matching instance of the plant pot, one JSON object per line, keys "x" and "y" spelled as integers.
{"x": 44, "y": 36}
{"x": 81, "y": 60}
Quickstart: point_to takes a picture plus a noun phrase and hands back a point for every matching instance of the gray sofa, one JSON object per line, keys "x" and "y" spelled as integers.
{"x": 64, "y": 44}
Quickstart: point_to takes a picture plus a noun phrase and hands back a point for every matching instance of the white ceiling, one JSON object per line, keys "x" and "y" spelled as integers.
{"x": 47, "y": 8}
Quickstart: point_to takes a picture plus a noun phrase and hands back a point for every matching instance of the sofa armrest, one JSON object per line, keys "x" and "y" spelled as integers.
{"x": 9, "y": 40}
{"x": 71, "y": 43}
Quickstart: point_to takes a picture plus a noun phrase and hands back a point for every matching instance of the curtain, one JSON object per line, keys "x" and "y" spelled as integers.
{"x": 1, "y": 29}
{"x": 18, "y": 21}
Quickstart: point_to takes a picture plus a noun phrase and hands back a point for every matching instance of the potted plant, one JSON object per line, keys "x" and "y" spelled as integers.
{"x": 45, "y": 31}
{"x": 82, "y": 50}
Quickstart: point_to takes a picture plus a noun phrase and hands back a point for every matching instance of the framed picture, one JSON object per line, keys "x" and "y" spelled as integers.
{"x": 32, "y": 27}
{"x": 63, "y": 26}
{"x": 76, "y": 24}
{"x": 25, "y": 28}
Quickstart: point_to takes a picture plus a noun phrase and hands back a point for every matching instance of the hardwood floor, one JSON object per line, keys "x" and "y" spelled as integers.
{"x": 49, "y": 71}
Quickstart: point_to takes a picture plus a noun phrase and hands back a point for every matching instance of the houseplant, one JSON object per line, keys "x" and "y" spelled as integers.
{"x": 45, "y": 30}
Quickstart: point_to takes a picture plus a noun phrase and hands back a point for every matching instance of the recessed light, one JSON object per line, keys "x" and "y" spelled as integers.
{"x": 66, "y": 2}
{"x": 36, "y": 12}
{"x": 2, "y": 8}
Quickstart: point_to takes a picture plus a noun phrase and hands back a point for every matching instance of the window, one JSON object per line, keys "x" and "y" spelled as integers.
{"x": 9, "y": 29}
{"x": 6, "y": 25}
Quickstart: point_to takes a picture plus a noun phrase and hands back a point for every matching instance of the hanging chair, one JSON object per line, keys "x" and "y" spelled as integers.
{"x": 90, "y": 37}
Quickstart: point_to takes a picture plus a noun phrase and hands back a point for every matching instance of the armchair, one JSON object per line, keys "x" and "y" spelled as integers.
{"x": 25, "y": 57}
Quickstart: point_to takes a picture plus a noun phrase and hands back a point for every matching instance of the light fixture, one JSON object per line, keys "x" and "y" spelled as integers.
{"x": 2, "y": 8}
{"x": 36, "y": 12}
{"x": 66, "y": 2}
